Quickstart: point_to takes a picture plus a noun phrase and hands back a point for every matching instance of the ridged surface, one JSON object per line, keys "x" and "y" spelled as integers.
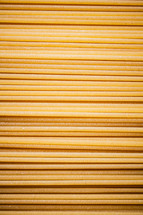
{"x": 71, "y": 110}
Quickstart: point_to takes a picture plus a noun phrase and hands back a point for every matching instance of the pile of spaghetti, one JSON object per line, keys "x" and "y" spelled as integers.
{"x": 71, "y": 110}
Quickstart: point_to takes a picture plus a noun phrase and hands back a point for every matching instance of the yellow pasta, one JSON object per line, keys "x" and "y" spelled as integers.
{"x": 71, "y": 110}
